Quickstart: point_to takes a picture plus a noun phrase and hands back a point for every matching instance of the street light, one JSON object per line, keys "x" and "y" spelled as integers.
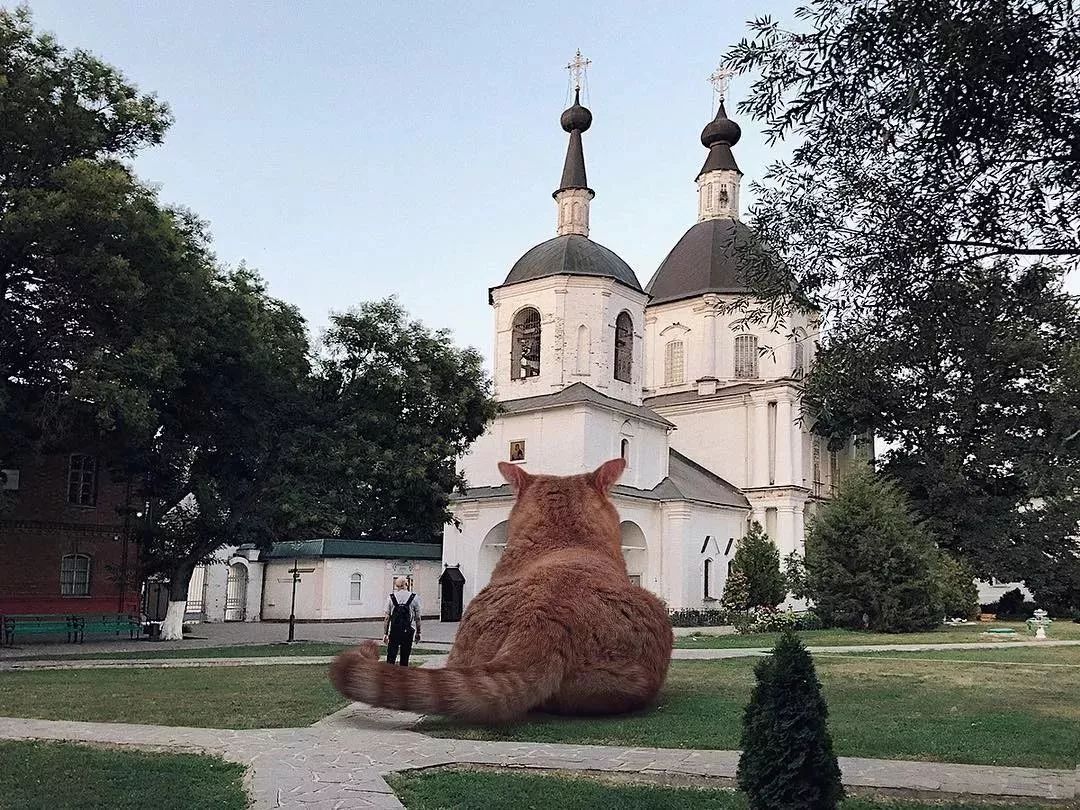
{"x": 296, "y": 571}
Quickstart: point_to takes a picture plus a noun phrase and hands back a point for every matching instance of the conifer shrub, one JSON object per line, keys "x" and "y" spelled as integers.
{"x": 755, "y": 579}
{"x": 869, "y": 563}
{"x": 955, "y": 593}
{"x": 787, "y": 760}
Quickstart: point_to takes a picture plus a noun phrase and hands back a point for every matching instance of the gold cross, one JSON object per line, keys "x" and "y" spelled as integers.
{"x": 577, "y": 67}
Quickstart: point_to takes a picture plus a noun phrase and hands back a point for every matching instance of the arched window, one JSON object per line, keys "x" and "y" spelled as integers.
{"x": 708, "y": 579}
{"x": 582, "y": 349}
{"x": 525, "y": 354}
{"x": 674, "y": 363}
{"x": 624, "y": 346}
{"x": 624, "y": 451}
{"x": 798, "y": 351}
{"x": 75, "y": 575}
{"x": 355, "y": 581}
{"x": 746, "y": 357}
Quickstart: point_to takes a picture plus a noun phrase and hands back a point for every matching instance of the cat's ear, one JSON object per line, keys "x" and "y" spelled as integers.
{"x": 515, "y": 476}
{"x": 605, "y": 476}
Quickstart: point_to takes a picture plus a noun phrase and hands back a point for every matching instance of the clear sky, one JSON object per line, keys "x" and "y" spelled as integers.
{"x": 353, "y": 150}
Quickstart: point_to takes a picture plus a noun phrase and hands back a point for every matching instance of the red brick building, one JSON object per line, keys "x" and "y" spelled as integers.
{"x": 66, "y": 538}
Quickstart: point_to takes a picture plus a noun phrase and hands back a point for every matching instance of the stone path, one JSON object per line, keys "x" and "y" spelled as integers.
{"x": 437, "y": 660}
{"x": 340, "y": 762}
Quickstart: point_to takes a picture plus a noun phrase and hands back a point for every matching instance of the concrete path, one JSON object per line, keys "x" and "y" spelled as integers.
{"x": 340, "y": 762}
{"x": 439, "y": 659}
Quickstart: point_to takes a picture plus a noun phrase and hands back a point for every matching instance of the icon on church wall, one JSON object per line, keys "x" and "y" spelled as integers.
{"x": 517, "y": 451}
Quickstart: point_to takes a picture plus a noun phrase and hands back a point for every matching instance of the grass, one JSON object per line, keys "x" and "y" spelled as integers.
{"x": 1044, "y": 657}
{"x": 879, "y": 706}
{"x": 208, "y": 697}
{"x": 46, "y": 776}
{"x": 491, "y": 790}
{"x": 299, "y": 648}
{"x": 966, "y": 634}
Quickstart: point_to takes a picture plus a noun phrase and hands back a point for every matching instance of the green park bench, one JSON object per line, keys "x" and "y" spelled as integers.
{"x": 113, "y": 623}
{"x": 36, "y": 624}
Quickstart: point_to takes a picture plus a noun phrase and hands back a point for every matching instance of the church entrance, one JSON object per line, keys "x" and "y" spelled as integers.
{"x": 635, "y": 551}
{"x": 452, "y": 583}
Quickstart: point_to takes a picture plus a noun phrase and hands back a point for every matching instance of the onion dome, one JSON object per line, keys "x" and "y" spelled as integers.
{"x": 718, "y": 137}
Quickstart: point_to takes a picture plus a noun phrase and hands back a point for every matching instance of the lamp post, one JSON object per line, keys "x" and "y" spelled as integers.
{"x": 296, "y": 570}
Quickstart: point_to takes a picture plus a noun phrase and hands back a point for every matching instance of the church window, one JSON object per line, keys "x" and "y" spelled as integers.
{"x": 834, "y": 470}
{"x": 816, "y": 463}
{"x": 708, "y": 579}
{"x": 624, "y": 346}
{"x": 355, "y": 582}
{"x": 82, "y": 479}
{"x": 75, "y": 575}
{"x": 624, "y": 451}
{"x": 674, "y": 363}
{"x": 746, "y": 357}
{"x": 799, "y": 359}
{"x": 525, "y": 354}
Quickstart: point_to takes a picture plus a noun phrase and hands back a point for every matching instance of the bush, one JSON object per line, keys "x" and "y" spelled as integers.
{"x": 787, "y": 758}
{"x": 955, "y": 593}
{"x": 868, "y": 563}
{"x": 757, "y": 561}
{"x": 689, "y": 617}
{"x": 771, "y": 620}
{"x": 1011, "y": 606}
{"x": 795, "y": 575}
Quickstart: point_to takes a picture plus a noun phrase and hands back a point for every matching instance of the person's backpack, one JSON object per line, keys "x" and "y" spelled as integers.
{"x": 401, "y": 618}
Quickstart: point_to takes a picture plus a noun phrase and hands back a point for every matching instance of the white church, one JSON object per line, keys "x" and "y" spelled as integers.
{"x": 589, "y": 365}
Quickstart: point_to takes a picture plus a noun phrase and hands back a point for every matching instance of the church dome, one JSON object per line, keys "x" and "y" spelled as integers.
{"x": 571, "y": 255}
{"x": 711, "y": 257}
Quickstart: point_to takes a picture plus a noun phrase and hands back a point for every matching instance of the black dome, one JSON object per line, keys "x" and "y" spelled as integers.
{"x": 571, "y": 255}
{"x": 709, "y": 258}
{"x": 576, "y": 116}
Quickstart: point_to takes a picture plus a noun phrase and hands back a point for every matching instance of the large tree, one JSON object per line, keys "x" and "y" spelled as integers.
{"x": 396, "y": 404}
{"x": 929, "y": 210}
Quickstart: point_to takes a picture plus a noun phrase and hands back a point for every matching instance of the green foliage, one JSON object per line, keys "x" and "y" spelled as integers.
{"x": 691, "y": 617}
{"x": 869, "y": 564}
{"x": 396, "y": 403}
{"x": 787, "y": 760}
{"x": 795, "y": 575}
{"x": 754, "y": 579}
{"x": 928, "y": 210}
{"x": 955, "y": 593}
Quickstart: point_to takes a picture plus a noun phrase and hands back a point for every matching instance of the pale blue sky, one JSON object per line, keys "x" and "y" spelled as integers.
{"x": 353, "y": 150}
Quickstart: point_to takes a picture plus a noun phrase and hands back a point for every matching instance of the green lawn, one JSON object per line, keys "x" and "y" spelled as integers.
{"x": 1043, "y": 657}
{"x": 940, "y": 710}
{"x": 209, "y": 697}
{"x": 490, "y": 790}
{"x": 238, "y": 651}
{"x": 971, "y": 633}
{"x": 48, "y": 776}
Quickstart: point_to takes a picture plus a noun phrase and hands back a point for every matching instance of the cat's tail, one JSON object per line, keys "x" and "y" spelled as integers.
{"x": 496, "y": 692}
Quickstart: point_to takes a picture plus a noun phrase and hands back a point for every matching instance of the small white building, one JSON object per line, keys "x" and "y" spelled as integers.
{"x": 589, "y": 366}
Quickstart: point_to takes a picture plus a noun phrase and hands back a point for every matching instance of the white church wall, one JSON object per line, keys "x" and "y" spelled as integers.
{"x": 554, "y": 443}
{"x": 715, "y": 435}
{"x": 647, "y": 448}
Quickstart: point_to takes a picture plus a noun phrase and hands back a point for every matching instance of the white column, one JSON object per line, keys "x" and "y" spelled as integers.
{"x": 675, "y": 567}
{"x": 796, "y": 452}
{"x": 783, "y": 442}
{"x": 759, "y": 445}
{"x": 800, "y": 529}
{"x": 757, "y": 515}
{"x": 785, "y": 530}
{"x": 709, "y": 355}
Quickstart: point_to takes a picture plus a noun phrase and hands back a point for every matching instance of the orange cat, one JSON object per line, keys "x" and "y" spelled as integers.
{"x": 559, "y": 628}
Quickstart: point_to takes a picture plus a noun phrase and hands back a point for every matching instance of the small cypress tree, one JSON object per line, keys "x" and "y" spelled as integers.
{"x": 869, "y": 563}
{"x": 736, "y": 595}
{"x": 787, "y": 760}
{"x": 758, "y": 558}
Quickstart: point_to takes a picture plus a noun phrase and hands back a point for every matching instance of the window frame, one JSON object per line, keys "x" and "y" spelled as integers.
{"x": 526, "y": 332}
{"x": 82, "y": 480}
{"x": 623, "y": 360}
{"x": 71, "y": 582}
{"x": 675, "y": 346}
{"x": 746, "y": 359}
{"x": 356, "y": 578}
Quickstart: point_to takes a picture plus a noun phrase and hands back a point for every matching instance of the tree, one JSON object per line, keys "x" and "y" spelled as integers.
{"x": 396, "y": 405}
{"x": 955, "y": 594}
{"x": 736, "y": 596}
{"x": 757, "y": 562}
{"x": 868, "y": 562}
{"x": 787, "y": 759}
{"x": 928, "y": 212}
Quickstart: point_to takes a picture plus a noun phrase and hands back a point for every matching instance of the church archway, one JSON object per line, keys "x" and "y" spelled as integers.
{"x": 490, "y": 551}
{"x": 635, "y": 552}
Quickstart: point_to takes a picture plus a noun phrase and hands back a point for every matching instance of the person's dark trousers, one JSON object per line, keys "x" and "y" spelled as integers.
{"x": 396, "y": 645}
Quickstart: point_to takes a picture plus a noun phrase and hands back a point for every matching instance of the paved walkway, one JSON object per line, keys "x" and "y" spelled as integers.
{"x": 441, "y": 648}
{"x": 340, "y": 762}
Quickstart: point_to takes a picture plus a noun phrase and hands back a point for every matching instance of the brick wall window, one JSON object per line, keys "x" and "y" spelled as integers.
{"x": 82, "y": 479}
{"x": 75, "y": 575}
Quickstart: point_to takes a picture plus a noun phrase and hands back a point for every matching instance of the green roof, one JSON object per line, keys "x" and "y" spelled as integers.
{"x": 335, "y": 547}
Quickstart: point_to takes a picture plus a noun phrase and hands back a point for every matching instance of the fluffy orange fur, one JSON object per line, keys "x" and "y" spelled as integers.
{"x": 560, "y": 628}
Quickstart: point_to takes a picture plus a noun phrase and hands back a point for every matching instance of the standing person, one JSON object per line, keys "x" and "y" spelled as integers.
{"x": 402, "y": 612}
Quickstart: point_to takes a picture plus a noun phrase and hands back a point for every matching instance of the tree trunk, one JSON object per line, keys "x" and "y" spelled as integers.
{"x": 173, "y": 627}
